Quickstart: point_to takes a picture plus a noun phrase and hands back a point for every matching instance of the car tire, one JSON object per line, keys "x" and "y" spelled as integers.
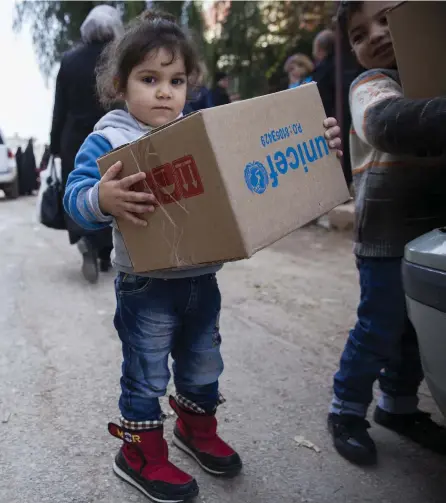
{"x": 12, "y": 191}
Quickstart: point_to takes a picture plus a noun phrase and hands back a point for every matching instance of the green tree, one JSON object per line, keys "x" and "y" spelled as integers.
{"x": 171, "y": 6}
{"x": 252, "y": 42}
{"x": 238, "y": 50}
{"x": 55, "y": 25}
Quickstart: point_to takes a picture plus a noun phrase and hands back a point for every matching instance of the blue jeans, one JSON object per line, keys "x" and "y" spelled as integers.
{"x": 155, "y": 318}
{"x": 383, "y": 345}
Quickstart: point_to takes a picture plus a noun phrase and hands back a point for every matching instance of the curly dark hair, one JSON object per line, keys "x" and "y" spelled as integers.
{"x": 345, "y": 11}
{"x": 151, "y": 31}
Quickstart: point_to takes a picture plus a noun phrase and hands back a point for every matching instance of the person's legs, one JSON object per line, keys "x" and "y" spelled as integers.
{"x": 89, "y": 254}
{"x": 197, "y": 359}
{"x": 398, "y": 404}
{"x": 102, "y": 241}
{"x": 104, "y": 254}
{"x": 146, "y": 322}
{"x": 402, "y": 376}
{"x": 370, "y": 347}
{"x": 147, "y": 318}
{"x": 376, "y": 338}
{"x": 197, "y": 367}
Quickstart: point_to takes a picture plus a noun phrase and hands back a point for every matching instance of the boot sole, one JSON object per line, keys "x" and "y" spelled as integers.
{"x": 182, "y": 446}
{"x": 124, "y": 476}
{"x": 354, "y": 458}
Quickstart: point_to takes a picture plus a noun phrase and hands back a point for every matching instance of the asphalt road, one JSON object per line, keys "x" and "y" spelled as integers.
{"x": 286, "y": 315}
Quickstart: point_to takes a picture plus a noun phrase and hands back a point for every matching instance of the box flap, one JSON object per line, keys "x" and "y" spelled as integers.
{"x": 419, "y": 39}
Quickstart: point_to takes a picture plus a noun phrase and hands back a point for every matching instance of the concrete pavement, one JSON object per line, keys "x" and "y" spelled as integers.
{"x": 285, "y": 318}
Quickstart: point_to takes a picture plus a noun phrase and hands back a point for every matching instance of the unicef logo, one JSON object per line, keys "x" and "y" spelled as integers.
{"x": 256, "y": 177}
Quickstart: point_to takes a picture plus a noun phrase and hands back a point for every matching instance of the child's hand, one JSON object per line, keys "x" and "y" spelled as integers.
{"x": 116, "y": 198}
{"x": 333, "y": 135}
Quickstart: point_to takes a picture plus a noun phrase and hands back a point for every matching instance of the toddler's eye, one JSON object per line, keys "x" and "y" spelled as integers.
{"x": 177, "y": 82}
{"x": 148, "y": 80}
{"x": 357, "y": 38}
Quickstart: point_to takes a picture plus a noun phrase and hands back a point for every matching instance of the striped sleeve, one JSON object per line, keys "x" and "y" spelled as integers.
{"x": 81, "y": 199}
{"x": 390, "y": 123}
{"x": 367, "y": 91}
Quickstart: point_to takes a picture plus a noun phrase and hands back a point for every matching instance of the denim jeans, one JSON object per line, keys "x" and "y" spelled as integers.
{"x": 155, "y": 318}
{"x": 383, "y": 345}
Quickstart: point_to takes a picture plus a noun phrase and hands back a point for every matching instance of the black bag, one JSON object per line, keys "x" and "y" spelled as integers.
{"x": 51, "y": 207}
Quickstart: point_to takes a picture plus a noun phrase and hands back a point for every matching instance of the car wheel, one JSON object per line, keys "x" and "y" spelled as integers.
{"x": 12, "y": 191}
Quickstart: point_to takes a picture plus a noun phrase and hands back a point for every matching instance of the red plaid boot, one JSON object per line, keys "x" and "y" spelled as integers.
{"x": 143, "y": 462}
{"x": 196, "y": 434}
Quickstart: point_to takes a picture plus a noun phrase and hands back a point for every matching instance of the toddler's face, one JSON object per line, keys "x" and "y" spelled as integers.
{"x": 157, "y": 88}
{"x": 296, "y": 72}
{"x": 369, "y": 35}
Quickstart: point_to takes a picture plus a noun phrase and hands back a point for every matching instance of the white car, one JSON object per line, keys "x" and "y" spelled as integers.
{"x": 9, "y": 182}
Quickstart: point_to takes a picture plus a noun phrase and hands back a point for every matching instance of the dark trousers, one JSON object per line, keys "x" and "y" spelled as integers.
{"x": 382, "y": 346}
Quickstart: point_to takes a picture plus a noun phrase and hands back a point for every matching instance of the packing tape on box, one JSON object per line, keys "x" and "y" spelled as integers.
{"x": 151, "y": 161}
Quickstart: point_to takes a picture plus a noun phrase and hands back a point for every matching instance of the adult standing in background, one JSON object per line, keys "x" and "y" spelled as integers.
{"x": 76, "y": 111}
{"x": 27, "y": 171}
{"x": 324, "y": 72}
{"x": 325, "y": 76}
{"x": 219, "y": 93}
{"x": 19, "y": 163}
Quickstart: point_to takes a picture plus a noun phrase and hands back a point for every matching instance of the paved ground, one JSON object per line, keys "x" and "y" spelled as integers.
{"x": 286, "y": 315}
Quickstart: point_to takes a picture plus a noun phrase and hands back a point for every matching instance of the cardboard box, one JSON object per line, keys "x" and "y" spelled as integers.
{"x": 231, "y": 180}
{"x": 419, "y": 39}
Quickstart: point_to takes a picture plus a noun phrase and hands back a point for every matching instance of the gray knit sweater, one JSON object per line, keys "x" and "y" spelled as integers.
{"x": 398, "y": 159}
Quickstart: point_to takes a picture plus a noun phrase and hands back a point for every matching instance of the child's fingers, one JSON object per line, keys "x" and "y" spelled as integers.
{"x": 333, "y": 132}
{"x": 330, "y": 122}
{"x": 138, "y": 208}
{"x": 336, "y": 143}
{"x": 140, "y": 222}
{"x": 112, "y": 172}
{"x": 140, "y": 197}
{"x": 339, "y": 154}
{"x": 130, "y": 180}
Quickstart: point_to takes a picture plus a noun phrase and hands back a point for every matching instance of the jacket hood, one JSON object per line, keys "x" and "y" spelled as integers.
{"x": 119, "y": 127}
{"x": 120, "y": 119}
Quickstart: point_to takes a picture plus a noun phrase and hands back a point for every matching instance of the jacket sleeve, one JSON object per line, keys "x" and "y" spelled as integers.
{"x": 59, "y": 113}
{"x": 383, "y": 118}
{"x": 81, "y": 199}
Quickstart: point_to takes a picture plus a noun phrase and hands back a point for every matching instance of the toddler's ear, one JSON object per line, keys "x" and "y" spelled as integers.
{"x": 117, "y": 87}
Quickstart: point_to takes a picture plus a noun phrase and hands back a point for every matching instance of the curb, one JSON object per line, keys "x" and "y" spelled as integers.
{"x": 341, "y": 218}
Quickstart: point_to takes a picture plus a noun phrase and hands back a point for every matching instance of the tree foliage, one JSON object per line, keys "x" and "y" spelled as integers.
{"x": 249, "y": 40}
{"x": 55, "y": 25}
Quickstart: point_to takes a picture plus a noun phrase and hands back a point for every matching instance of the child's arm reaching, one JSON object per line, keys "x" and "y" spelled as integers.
{"x": 383, "y": 118}
{"x": 81, "y": 200}
{"x": 91, "y": 202}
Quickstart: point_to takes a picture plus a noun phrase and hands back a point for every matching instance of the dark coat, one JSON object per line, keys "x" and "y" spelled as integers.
{"x": 325, "y": 77}
{"x": 219, "y": 96}
{"x": 201, "y": 99}
{"x": 45, "y": 159}
{"x": 76, "y": 111}
{"x": 27, "y": 171}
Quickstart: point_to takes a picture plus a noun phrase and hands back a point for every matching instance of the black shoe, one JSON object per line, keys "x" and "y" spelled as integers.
{"x": 418, "y": 427}
{"x": 351, "y": 439}
{"x": 105, "y": 265}
{"x": 90, "y": 261}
